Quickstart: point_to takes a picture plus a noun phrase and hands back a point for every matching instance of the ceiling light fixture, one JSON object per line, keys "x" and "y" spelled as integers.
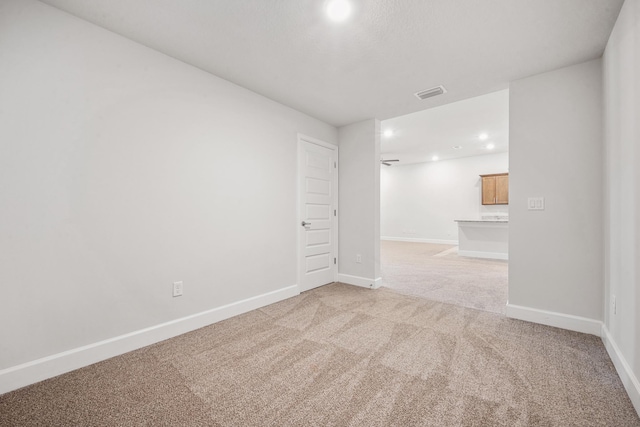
{"x": 388, "y": 133}
{"x": 435, "y": 158}
{"x": 457, "y": 147}
{"x": 490, "y": 146}
{"x": 338, "y": 10}
{"x": 483, "y": 137}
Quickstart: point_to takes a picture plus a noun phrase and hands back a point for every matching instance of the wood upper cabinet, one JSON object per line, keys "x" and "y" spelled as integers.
{"x": 495, "y": 189}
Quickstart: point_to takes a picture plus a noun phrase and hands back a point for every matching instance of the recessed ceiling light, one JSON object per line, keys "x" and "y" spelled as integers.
{"x": 387, "y": 133}
{"x": 338, "y": 10}
{"x": 490, "y": 146}
{"x": 435, "y": 158}
{"x": 457, "y": 147}
{"x": 483, "y": 136}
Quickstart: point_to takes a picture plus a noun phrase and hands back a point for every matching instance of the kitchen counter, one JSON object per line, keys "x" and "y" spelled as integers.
{"x": 484, "y": 237}
{"x": 501, "y": 220}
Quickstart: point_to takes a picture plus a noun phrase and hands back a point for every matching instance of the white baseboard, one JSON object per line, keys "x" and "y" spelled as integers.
{"x": 486, "y": 255}
{"x": 47, "y": 367}
{"x": 558, "y": 320}
{"x": 417, "y": 240}
{"x": 629, "y": 380}
{"x": 360, "y": 281}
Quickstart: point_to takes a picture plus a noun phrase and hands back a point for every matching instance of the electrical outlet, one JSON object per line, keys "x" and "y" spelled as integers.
{"x": 359, "y": 258}
{"x": 177, "y": 289}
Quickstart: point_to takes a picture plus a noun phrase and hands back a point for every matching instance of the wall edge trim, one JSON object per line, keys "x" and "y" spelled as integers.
{"x": 360, "y": 281}
{"x": 484, "y": 255}
{"x": 28, "y": 373}
{"x": 419, "y": 240}
{"x": 555, "y": 319}
{"x": 628, "y": 378}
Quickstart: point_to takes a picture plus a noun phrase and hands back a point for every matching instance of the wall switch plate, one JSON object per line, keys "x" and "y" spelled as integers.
{"x": 535, "y": 203}
{"x": 177, "y": 289}
{"x": 359, "y": 259}
{"x": 613, "y": 304}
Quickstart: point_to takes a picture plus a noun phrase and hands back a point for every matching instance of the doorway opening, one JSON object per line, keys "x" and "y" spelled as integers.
{"x": 444, "y": 209}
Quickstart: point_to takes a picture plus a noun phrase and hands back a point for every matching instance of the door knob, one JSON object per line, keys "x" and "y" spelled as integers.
{"x": 304, "y": 223}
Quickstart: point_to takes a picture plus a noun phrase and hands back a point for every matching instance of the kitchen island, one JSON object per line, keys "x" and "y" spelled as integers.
{"x": 484, "y": 238}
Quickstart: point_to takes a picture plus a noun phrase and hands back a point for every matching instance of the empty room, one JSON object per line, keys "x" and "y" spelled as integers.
{"x": 190, "y": 213}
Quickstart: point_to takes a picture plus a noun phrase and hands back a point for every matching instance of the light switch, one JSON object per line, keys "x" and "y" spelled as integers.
{"x": 535, "y": 203}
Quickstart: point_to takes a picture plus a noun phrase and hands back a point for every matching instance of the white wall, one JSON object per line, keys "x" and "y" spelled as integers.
{"x": 555, "y": 147}
{"x": 622, "y": 196}
{"x": 123, "y": 170}
{"x": 421, "y": 201}
{"x": 359, "y": 218}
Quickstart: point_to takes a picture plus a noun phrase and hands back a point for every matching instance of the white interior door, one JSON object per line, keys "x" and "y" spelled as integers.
{"x": 318, "y": 183}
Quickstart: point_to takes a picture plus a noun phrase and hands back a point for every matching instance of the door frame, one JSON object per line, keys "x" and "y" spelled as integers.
{"x": 334, "y": 200}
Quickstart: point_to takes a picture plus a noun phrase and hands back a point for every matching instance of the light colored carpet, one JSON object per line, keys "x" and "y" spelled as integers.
{"x": 343, "y": 356}
{"x": 436, "y": 272}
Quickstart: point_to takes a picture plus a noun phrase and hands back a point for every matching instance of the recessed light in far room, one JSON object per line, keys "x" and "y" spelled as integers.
{"x": 483, "y": 137}
{"x": 435, "y": 158}
{"x": 338, "y": 10}
{"x": 490, "y": 146}
{"x": 387, "y": 133}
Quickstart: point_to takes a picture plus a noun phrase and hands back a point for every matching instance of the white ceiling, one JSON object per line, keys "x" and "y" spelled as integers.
{"x": 419, "y": 136}
{"x": 370, "y": 65}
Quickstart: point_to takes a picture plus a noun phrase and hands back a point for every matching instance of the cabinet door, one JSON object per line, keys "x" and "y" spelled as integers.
{"x": 488, "y": 190}
{"x": 502, "y": 190}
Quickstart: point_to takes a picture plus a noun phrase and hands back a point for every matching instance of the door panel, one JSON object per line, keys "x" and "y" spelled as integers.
{"x": 321, "y": 187}
{"x": 316, "y": 263}
{"x": 317, "y": 211}
{"x": 318, "y": 237}
{"x": 318, "y": 183}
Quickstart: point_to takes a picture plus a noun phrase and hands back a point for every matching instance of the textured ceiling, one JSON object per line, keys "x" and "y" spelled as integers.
{"x": 370, "y": 65}
{"x": 419, "y": 136}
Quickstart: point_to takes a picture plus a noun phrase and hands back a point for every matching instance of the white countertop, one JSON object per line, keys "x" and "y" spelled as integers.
{"x": 492, "y": 220}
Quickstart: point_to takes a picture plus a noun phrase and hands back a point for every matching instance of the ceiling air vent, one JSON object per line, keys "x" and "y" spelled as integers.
{"x": 428, "y": 93}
